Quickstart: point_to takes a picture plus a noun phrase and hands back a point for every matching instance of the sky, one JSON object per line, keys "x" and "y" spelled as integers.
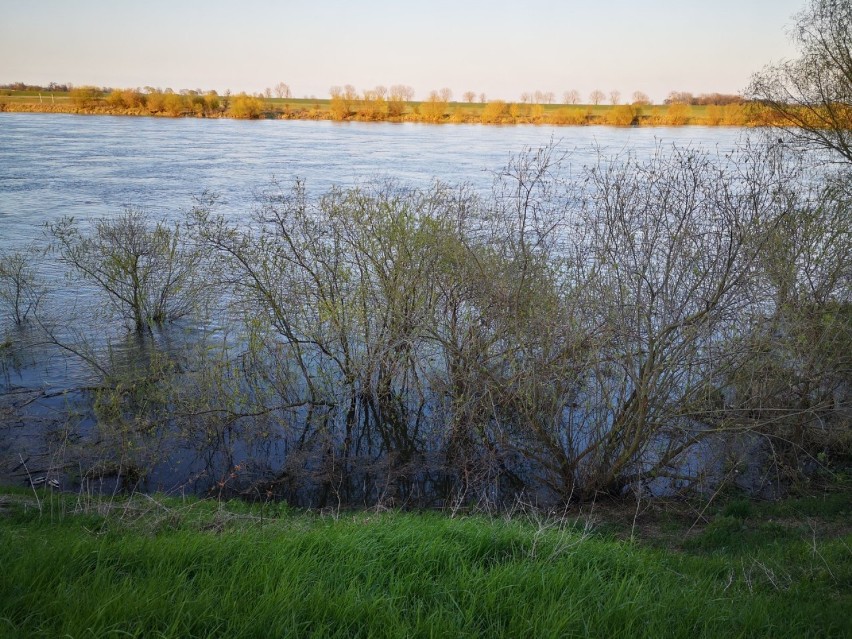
{"x": 501, "y": 48}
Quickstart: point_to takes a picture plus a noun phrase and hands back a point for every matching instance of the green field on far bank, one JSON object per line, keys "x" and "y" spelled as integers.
{"x": 75, "y": 566}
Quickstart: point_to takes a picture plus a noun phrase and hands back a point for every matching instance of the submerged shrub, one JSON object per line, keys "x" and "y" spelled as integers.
{"x": 147, "y": 272}
{"x": 568, "y": 335}
{"x": 578, "y": 334}
{"x": 21, "y": 291}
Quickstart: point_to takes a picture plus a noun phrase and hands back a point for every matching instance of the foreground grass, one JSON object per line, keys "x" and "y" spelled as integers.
{"x": 166, "y": 568}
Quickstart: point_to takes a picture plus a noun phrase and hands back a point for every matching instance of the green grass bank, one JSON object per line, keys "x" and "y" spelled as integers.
{"x": 157, "y": 567}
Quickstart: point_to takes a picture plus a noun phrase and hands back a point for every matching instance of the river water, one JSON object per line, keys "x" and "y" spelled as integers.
{"x": 95, "y": 166}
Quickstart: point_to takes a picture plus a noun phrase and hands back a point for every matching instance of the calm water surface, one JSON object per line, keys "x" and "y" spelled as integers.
{"x": 94, "y": 166}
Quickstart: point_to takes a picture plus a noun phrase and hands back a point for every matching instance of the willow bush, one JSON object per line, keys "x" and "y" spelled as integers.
{"x": 577, "y": 331}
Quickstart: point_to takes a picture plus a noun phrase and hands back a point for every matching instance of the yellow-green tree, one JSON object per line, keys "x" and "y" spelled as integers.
{"x": 155, "y": 102}
{"x": 495, "y": 112}
{"x": 623, "y": 115}
{"x": 677, "y": 114}
{"x": 342, "y": 101}
{"x": 433, "y": 109}
{"x": 246, "y": 107}
{"x": 373, "y": 106}
{"x": 211, "y": 102}
{"x": 86, "y": 96}
{"x": 570, "y": 116}
{"x": 175, "y": 105}
{"x": 126, "y": 99}
{"x": 398, "y": 95}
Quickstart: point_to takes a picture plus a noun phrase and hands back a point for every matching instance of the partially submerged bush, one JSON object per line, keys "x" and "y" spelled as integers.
{"x": 580, "y": 335}
{"x": 568, "y": 336}
{"x": 147, "y": 272}
{"x": 21, "y": 291}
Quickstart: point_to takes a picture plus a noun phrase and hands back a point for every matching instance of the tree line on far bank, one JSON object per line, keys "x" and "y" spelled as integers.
{"x": 397, "y": 105}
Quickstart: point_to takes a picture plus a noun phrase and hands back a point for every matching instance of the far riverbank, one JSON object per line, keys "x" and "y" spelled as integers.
{"x": 495, "y": 112}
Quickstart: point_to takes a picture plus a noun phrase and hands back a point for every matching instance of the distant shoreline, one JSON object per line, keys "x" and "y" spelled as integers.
{"x": 491, "y": 113}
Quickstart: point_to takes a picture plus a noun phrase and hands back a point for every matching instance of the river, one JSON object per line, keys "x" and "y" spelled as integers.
{"x": 94, "y": 166}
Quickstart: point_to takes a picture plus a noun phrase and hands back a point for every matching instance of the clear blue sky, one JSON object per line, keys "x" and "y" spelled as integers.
{"x": 499, "y": 47}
